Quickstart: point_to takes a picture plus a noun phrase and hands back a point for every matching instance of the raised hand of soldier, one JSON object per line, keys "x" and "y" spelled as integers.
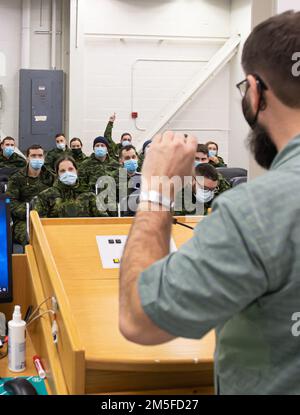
{"x": 112, "y": 118}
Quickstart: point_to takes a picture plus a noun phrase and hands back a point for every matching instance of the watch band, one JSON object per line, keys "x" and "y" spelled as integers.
{"x": 156, "y": 197}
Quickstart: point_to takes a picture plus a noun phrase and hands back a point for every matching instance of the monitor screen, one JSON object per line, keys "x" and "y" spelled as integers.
{"x": 5, "y": 251}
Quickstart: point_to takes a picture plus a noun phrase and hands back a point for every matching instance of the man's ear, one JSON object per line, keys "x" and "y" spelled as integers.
{"x": 254, "y": 93}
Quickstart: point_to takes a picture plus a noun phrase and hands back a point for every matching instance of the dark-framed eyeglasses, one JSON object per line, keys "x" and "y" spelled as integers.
{"x": 215, "y": 190}
{"x": 244, "y": 85}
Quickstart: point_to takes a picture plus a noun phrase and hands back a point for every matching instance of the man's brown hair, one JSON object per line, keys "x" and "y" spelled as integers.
{"x": 268, "y": 52}
{"x": 33, "y": 147}
{"x": 8, "y": 138}
{"x": 202, "y": 148}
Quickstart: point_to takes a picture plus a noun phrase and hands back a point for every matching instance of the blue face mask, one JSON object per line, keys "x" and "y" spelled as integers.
{"x": 8, "y": 151}
{"x": 212, "y": 153}
{"x": 100, "y": 151}
{"x": 197, "y": 163}
{"x": 126, "y": 143}
{"x": 204, "y": 196}
{"x": 68, "y": 178}
{"x": 61, "y": 146}
{"x": 36, "y": 164}
{"x": 131, "y": 165}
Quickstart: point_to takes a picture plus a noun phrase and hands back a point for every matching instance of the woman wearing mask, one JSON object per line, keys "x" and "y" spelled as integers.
{"x": 214, "y": 159}
{"x": 67, "y": 197}
{"x": 77, "y": 153}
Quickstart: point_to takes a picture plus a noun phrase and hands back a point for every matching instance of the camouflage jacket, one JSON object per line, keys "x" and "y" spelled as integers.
{"x": 141, "y": 161}
{"x": 186, "y": 203}
{"x": 23, "y": 188}
{"x": 220, "y": 164}
{"x": 92, "y": 168}
{"x": 79, "y": 158}
{"x": 116, "y": 190}
{"x": 114, "y": 148}
{"x": 55, "y": 154}
{"x": 15, "y": 160}
{"x": 62, "y": 201}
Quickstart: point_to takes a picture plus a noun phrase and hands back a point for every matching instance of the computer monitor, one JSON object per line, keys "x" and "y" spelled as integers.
{"x": 5, "y": 251}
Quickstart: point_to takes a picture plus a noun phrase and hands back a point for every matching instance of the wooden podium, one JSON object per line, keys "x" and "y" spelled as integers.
{"x": 91, "y": 356}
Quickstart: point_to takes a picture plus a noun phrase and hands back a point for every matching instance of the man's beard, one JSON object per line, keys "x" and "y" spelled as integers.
{"x": 259, "y": 140}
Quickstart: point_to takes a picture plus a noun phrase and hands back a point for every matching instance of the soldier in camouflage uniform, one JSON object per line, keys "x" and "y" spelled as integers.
{"x": 67, "y": 197}
{"x": 122, "y": 186}
{"x": 77, "y": 153}
{"x": 60, "y": 151}
{"x": 115, "y": 148}
{"x": 98, "y": 164}
{"x": 8, "y": 156}
{"x": 197, "y": 198}
{"x": 24, "y": 186}
{"x": 128, "y": 181}
{"x": 214, "y": 159}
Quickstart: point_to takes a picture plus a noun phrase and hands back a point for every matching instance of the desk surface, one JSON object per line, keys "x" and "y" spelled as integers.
{"x": 93, "y": 296}
{"x": 95, "y": 308}
{"x": 83, "y": 259}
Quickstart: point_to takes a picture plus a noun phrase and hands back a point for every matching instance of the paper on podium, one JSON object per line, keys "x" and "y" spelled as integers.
{"x": 111, "y": 249}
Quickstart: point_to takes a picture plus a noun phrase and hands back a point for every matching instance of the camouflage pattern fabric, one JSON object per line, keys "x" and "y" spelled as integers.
{"x": 21, "y": 190}
{"x": 63, "y": 201}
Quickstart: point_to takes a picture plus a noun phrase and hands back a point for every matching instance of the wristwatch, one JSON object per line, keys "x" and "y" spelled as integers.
{"x": 157, "y": 198}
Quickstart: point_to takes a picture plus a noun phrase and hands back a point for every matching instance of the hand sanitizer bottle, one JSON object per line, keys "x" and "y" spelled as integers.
{"x": 16, "y": 342}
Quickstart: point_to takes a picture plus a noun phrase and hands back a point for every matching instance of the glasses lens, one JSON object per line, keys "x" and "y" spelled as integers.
{"x": 243, "y": 86}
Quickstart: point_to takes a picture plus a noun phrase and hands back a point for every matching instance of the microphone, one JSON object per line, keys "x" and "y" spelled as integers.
{"x": 175, "y": 222}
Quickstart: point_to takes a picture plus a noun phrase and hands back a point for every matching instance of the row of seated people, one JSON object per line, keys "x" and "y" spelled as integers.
{"x": 106, "y": 153}
{"x": 69, "y": 191}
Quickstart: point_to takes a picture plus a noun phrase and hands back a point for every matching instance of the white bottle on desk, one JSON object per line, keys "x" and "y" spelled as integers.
{"x": 16, "y": 342}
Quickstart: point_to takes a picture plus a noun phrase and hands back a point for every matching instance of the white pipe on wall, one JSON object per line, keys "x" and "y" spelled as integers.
{"x": 25, "y": 35}
{"x": 53, "y": 36}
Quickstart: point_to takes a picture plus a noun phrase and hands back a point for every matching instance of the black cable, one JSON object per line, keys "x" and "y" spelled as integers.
{"x": 175, "y": 222}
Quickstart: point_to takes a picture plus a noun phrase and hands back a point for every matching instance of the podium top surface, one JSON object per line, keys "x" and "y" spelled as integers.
{"x": 93, "y": 295}
{"x": 74, "y": 247}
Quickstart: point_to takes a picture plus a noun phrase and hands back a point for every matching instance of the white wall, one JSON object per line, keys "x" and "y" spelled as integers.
{"x": 239, "y": 129}
{"x": 10, "y": 53}
{"x": 105, "y": 68}
{"x": 283, "y": 5}
{"x": 10, "y": 24}
{"x": 40, "y": 44}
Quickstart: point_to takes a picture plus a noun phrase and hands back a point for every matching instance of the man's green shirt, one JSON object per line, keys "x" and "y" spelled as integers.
{"x": 240, "y": 274}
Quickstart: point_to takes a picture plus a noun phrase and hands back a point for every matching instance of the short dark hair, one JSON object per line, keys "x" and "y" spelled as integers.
{"x": 33, "y": 147}
{"x": 60, "y": 134}
{"x": 208, "y": 171}
{"x": 202, "y": 148}
{"x": 212, "y": 142}
{"x": 268, "y": 53}
{"x": 76, "y": 139}
{"x": 8, "y": 138}
{"x": 66, "y": 158}
{"x": 127, "y": 148}
{"x": 123, "y": 135}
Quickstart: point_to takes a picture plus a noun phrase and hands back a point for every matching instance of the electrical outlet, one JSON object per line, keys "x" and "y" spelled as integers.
{"x": 54, "y": 304}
